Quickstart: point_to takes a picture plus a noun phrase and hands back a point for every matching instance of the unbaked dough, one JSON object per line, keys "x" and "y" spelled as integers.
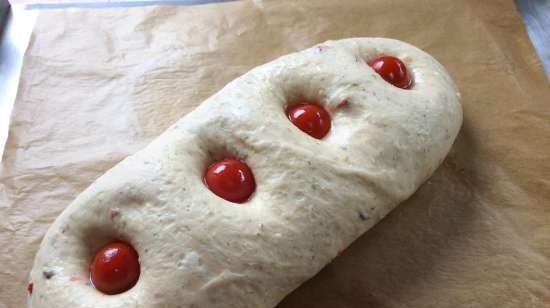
{"x": 313, "y": 197}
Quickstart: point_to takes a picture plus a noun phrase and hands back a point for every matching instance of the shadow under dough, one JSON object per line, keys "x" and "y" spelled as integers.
{"x": 385, "y": 266}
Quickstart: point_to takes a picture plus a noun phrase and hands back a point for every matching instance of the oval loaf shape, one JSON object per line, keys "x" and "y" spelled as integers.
{"x": 313, "y": 197}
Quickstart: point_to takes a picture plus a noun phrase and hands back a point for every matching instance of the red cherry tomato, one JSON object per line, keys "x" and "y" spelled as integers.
{"x": 393, "y": 71}
{"x": 230, "y": 179}
{"x": 115, "y": 268}
{"x": 310, "y": 118}
{"x": 29, "y": 287}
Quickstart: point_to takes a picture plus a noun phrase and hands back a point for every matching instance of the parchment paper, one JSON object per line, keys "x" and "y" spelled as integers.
{"x": 97, "y": 85}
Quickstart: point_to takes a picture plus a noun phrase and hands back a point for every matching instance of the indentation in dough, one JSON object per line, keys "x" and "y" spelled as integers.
{"x": 292, "y": 90}
{"x": 212, "y": 145}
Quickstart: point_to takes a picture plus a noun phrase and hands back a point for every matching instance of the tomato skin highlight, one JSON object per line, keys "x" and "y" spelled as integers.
{"x": 392, "y": 70}
{"x": 115, "y": 268}
{"x": 310, "y": 118}
{"x": 230, "y": 179}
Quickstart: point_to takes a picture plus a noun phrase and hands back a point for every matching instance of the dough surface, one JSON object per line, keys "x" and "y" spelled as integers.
{"x": 313, "y": 197}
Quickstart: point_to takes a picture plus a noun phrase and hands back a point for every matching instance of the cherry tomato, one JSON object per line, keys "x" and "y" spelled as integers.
{"x": 230, "y": 179}
{"x": 393, "y": 71}
{"x": 312, "y": 119}
{"x": 29, "y": 287}
{"x": 115, "y": 268}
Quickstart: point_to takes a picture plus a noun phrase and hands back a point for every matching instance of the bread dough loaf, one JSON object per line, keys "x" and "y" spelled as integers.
{"x": 313, "y": 197}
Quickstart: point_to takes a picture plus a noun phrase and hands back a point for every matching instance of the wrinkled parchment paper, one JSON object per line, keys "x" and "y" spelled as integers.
{"x": 97, "y": 85}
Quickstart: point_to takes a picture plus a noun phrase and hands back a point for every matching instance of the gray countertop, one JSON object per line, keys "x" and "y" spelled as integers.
{"x": 536, "y": 16}
{"x": 15, "y": 32}
{"x": 16, "y": 27}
